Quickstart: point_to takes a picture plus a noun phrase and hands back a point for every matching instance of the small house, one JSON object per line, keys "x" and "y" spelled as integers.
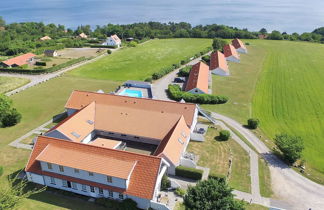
{"x": 113, "y": 41}
{"x": 50, "y": 53}
{"x": 45, "y": 38}
{"x": 239, "y": 46}
{"x": 218, "y": 64}
{"x": 28, "y": 58}
{"x": 198, "y": 79}
{"x": 231, "y": 53}
{"x": 83, "y": 36}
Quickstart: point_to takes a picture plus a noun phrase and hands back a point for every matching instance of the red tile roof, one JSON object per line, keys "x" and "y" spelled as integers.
{"x": 198, "y": 77}
{"x": 217, "y": 60}
{"x": 229, "y": 50}
{"x": 19, "y": 60}
{"x": 143, "y": 178}
{"x": 116, "y": 38}
{"x": 238, "y": 44}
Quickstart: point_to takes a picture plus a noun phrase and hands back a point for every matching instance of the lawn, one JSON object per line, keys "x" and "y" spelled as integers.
{"x": 216, "y": 154}
{"x": 264, "y": 179}
{"x": 140, "y": 62}
{"x": 289, "y": 97}
{"x": 279, "y": 82}
{"x": 10, "y": 83}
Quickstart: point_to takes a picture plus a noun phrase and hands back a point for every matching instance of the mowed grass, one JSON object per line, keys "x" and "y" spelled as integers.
{"x": 240, "y": 85}
{"x": 289, "y": 97}
{"x": 10, "y": 83}
{"x": 140, "y": 62}
{"x": 216, "y": 155}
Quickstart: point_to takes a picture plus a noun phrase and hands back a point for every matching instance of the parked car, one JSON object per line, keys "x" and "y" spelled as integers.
{"x": 201, "y": 131}
{"x": 179, "y": 80}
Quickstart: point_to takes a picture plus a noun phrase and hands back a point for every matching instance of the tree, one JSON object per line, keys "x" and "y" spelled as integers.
{"x": 253, "y": 123}
{"x": 218, "y": 43}
{"x": 224, "y": 135}
{"x": 275, "y": 35}
{"x": 211, "y": 194}
{"x": 290, "y": 146}
{"x": 8, "y": 116}
{"x": 263, "y": 31}
{"x": 2, "y": 22}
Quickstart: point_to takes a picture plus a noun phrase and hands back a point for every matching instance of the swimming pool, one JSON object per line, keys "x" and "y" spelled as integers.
{"x": 131, "y": 93}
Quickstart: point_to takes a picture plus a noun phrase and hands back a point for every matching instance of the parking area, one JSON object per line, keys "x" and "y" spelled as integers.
{"x": 199, "y": 132}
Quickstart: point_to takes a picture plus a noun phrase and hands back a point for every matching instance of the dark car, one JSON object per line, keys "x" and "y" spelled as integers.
{"x": 201, "y": 131}
{"x": 179, "y": 80}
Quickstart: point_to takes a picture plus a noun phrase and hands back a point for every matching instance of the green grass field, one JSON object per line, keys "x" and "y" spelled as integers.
{"x": 281, "y": 83}
{"x": 140, "y": 62}
{"x": 10, "y": 83}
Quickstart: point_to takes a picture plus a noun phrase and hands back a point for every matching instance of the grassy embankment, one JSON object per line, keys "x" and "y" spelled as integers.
{"x": 10, "y": 83}
{"x": 40, "y": 103}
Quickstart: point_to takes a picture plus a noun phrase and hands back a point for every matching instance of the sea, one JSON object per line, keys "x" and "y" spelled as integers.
{"x": 283, "y": 15}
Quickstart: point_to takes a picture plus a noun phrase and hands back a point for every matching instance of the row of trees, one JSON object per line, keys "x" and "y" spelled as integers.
{"x": 316, "y": 36}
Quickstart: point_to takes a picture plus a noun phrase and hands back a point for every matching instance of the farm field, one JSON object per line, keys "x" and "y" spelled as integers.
{"x": 10, "y": 83}
{"x": 289, "y": 97}
{"x": 140, "y": 62}
{"x": 279, "y": 82}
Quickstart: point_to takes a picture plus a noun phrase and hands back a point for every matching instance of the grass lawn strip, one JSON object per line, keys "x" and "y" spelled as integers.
{"x": 264, "y": 179}
{"x": 216, "y": 154}
{"x": 11, "y": 83}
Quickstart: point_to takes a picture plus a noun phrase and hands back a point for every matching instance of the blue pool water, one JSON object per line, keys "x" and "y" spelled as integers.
{"x": 131, "y": 93}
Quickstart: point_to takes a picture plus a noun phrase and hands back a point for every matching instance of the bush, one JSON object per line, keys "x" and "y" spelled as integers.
{"x": 176, "y": 65}
{"x": 218, "y": 44}
{"x": 109, "y": 51}
{"x": 206, "y": 58}
{"x": 11, "y": 118}
{"x": 253, "y": 123}
{"x": 132, "y": 44}
{"x": 224, "y": 135}
{"x": 217, "y": 177}
{"x": 180, "y": 192}
{"x": 247, "y": 43}
{"x": 184, "y": 72}
{"x": 40, "y": 63}
{"x": 290, "y": 146}
{"x": 149, "y": 79}
{"x": 165, "y": 182}
{"x": 191, "y": 173}
{"x": 175, "y": 93}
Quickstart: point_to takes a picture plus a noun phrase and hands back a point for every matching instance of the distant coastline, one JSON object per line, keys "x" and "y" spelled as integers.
{"x": 289, "y": 16}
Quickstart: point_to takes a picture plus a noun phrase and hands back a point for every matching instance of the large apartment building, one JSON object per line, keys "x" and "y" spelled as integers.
{"x": 113, "y": 146}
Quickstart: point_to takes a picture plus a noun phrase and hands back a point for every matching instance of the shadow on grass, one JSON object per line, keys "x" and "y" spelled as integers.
{"x": 218, "y": 138}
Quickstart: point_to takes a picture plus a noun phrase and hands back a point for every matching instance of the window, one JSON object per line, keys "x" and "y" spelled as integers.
{"x": 52, "y": 180}
{"x": 84, "y": 188}
{"x": 111, "y": 194}
{"x": 136, "y": 137}
{"x": 109, "y": 179}
{"x": 61, "y": 168}
{"x": 90, "y": 174}
{"x": 92, "y": 189}
{"x": 121, "y": 196}
{"x": 76, "y": 171}
{"x": 64, "y": 183}
{"x": 123, "y": 135}
{"x": 111, "y": 133}
{"x": 100, "y": 191}
{"x": 49, "y": 166}
{"x": 74, "y": 185}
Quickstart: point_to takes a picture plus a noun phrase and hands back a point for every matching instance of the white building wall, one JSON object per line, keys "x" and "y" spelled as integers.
{"x": 99, "y": 178}
{"x": 89, "y": 137}
{"x": 233, "y": 59}
{"x": 241, "y": 50}
{"x": 35, "y": 178}
{"x": 194, "y": 121}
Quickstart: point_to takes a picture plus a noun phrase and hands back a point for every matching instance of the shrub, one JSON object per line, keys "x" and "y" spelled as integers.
{"x": 217, "y": 177}
{"x": 109, "y": 51}
{"x": 253, "y": 123}
{"x": 184, "y": 72}
{"x": 247, "y": 43}
{"x": 149, "y": 79}
{"x": 40, "y": 63}
{"x": 290, "y": 146}
{"x": 11, "y": 118}
{"x": 218, "y": 43}
{"x": 132, "y": 44}
{"x": 165, "y": 182}
{"x": 224, "y": 135}
{"x": 180, "y": 192}
{"x": 176, "y": 65}
{"x": 191, "y": 173}
{"x": 206, "y": 58}
{"x": 175, "y": 93}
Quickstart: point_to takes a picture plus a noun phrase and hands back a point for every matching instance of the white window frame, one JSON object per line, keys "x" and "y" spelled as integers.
{"x": 64, "y": 183}
{"x": 110, "y": 193}
{"x": 61, "y": 168}
{"x": 109, "y": 179}
{"x": 52, "y": 180}
{"x": 74, "y": 185}
{"x": 49, "y": 166}
{"x": 84, "y": 188}
{"x": 92, "y": 189}
{"x": 101, "y": 192}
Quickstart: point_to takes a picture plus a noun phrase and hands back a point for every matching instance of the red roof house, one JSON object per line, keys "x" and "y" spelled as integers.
{"x": 28, "y": 58}
{"x": 218, "y": 64}
{"x": 231, "y": 53}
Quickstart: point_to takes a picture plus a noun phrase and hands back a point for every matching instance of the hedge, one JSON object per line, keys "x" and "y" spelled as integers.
{"x": 184, "y": 72}
{"x": 102, "y": 46}
{"x": 217, "y": 177}
{"x": 48, "y": 70}
{"x": 40, "y": 63}
{"x": 191, "y": 173}
{"x": 175, "y": 93}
